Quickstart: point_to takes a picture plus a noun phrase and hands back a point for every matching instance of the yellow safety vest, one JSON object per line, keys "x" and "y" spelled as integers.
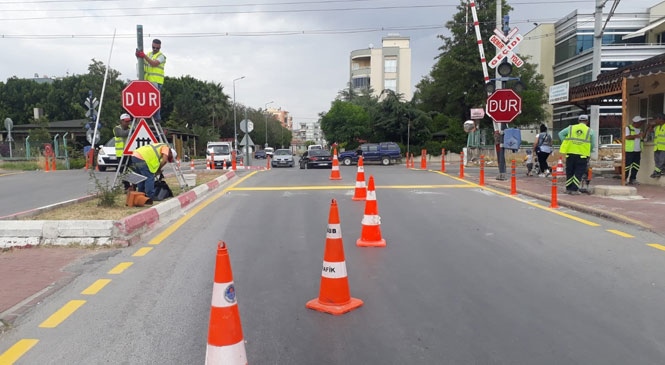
{"x": 578, "y": 141}
{"x": 151, "y": 155}
{"x": 119, "y": 142}
{"x": 630, "y": 143}
{"x": 659, "y": 137}
{"x": 155, "y": 74}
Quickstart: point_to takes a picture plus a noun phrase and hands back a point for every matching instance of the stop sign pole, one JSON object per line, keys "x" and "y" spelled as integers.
{"x": 504, "y": 105}
{"x": 141, "y": 99}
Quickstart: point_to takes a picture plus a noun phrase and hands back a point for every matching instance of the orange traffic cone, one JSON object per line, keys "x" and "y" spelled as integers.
{"x": 226, "y": 344}
{"x": 361, "y": 189}
{"x": 208, "y": 163}
{"x": 224, "y": 165}
{"x": 47, "y": 166}
{"x": 334, "y": 174}
{"x": 559, "y": 168}
{"x": 137, "y": 199}
{"x": 191, "y": 165}
{"x": 370, "y": 235}
{"x": 334, "y": 296}
{"x": 268, "y": 162}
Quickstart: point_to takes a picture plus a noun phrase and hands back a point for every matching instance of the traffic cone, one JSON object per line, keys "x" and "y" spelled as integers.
{"x": 559, "y": 168}
{"x": 226, "y": 344}
{"x": 334, "y": 173}
{"x": 191, "y": 165}
{"x": 268, "y": 162}
{"x": 370, "y": 235}
{"x": 47, "y": 167}
{"x": 208, "y": 163}
{"x": 224, "y": 165}
{"x": 334, "y": 296}
{"x": 137, "y": 199}
{"x": 53, "y": 166}
{"x": 361, "y": 190}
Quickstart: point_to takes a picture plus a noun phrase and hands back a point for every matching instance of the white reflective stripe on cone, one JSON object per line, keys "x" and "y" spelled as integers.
{"x": 371, "y": 220}
{"x": 371, "y": 195}
{"x": 227, "y": 355}
{"x": 334, "y": 231}
{"x": 219, "y": 299}
{"x": 334, "y": 270}
{"x": 361, "y": 169}
{"x": 360, "y": 184}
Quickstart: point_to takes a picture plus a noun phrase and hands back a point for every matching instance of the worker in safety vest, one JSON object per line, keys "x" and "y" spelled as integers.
{"x": 153, "y": 66}
{"x": 658, "y": 127}
{"x": 120, "y": 135}
{"x": 148, "y": 161}
{"x": 577, "y": 145}
{"x": 633, "y": 148}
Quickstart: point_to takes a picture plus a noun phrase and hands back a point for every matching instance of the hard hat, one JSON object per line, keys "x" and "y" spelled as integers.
{"x": 125, "y": 116}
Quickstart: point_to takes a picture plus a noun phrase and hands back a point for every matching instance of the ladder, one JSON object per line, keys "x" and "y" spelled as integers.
{"x": 162, "y": 139}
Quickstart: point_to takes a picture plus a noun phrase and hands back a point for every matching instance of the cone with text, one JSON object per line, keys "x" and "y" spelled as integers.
{"x": 559, "y": 168}
{"x": 334, "y": 295}
{"x": 370, "y": 234}
{"x": 226, "y": 344}
{"x": 334, "y": 173}
{"x": 360, "y": 192}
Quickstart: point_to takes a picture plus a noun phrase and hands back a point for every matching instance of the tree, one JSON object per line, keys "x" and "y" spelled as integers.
{"x": 345, "y": 122}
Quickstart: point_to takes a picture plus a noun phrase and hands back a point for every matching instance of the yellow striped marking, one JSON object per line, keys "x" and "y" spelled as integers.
{"x": 142, "y": 251}
{"x": 96, "y": 287}
{"x": 656, "y": 246}
{"x": 619, "y": 233}
{"x": 63, "y": 313}
{"x": 173, "y": 227}
{"x": 332, "y": 187}
{"x": 19, "y": 349}
{"x": 118, "y": 269}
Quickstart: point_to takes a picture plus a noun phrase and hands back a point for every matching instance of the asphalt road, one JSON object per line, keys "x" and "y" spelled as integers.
{"x": 469, "y": 276}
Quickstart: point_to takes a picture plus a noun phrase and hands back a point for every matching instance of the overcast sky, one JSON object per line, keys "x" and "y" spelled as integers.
{"x": 292, "y": 52}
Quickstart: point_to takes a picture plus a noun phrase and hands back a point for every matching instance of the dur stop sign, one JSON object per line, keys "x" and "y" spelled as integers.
{"x": 141, "y": 99}
{"x": 504, "y": 105}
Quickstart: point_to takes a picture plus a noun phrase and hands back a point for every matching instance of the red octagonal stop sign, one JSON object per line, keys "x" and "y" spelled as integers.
{"x": 141, "y": 99}
{"x": 504, "y": 105}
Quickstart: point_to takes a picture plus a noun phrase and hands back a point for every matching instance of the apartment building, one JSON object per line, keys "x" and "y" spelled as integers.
{"x": 387, "y": 67}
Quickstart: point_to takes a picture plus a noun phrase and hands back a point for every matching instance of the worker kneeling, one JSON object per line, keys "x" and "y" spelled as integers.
{"x": 148, "y": 161}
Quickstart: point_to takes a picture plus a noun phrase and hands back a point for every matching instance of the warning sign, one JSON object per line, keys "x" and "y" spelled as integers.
{"x": 141, "y": 136}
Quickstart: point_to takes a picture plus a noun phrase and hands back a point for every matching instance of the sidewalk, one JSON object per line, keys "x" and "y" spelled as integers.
{"x": 54, "y": 267}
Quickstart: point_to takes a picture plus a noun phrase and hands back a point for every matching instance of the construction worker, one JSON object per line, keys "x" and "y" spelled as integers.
{"x": 577, "y": 145}
{"x": 148, "y": 161}
{"x": 633, "y": 148}
{"x": 154, "y": 63}
{"x": 658, "y": 127}
{"x": 120, "y": 134}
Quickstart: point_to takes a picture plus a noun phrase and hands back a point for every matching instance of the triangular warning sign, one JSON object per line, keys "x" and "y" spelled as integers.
{"x": 244, "y": 140}
{"x": 141, "y": 136}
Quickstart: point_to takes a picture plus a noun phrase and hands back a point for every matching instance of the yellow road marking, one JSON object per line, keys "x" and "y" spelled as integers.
{"x": 332, "y": 187}
{"x": 96, "y": 287}
{"x": 119, "y": 268}
{"x": 63, "y": 313}
{"x": 619, "y": 233}
{"x": 19, "y": 349}
{"x": 142, "y": 251}
{"x": 173, "y": 227}
{"x": 657, "y": 246}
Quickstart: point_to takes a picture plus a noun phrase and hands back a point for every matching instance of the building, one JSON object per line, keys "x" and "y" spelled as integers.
{"x": 388, "y": 67}
{"x": 627, "y": 38}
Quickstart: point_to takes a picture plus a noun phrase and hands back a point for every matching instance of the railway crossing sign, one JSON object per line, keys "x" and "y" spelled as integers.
{"x": 505, "y": 44}
{"x": 141, "y": 136}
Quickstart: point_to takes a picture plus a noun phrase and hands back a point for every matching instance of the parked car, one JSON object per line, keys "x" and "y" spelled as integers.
{"x": 221, "y": 152}
{"x": 315, "y": 158}
{"x": 269, "y": 151}
{"x": 282, "y": 157}
{"x": 260, "y": 154}
{"x": 384, "y": 152}
{"x": 106, "y": 156}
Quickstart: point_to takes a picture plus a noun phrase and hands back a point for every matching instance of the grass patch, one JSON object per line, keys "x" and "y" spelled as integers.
{"x": 92, "y": 210}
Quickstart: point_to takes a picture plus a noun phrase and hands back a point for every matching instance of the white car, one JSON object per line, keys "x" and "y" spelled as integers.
{"x": 106, "y": 156}
{"x": 282, "y": 157}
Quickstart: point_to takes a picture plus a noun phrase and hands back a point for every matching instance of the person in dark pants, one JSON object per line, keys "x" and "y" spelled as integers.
{"x": 633, "y": 148}
{"x": 542, "y": 147}
{"x": 577, "y": 145}
{"x": 148, "y": 161}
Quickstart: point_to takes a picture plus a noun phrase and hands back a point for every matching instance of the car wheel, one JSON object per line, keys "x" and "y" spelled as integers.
{"x": 347, "y": 161}
{"x": 301, "y": 166}
{"x": 385, "y": 160}
{"x": 101, "y": 168}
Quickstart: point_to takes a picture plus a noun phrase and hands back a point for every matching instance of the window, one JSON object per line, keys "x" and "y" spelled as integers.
{"x": 360, "y": 82}
{"x": 390, "y": 84}
{"x": 390, "y": 65}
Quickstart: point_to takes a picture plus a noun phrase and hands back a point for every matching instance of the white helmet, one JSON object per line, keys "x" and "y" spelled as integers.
{"x": 125, "y": 116}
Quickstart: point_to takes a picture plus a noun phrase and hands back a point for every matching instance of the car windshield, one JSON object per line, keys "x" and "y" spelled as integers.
{"x": 282, "y": 152}
{"x": 219, "y": 150}
{"x": 319, "y": 153}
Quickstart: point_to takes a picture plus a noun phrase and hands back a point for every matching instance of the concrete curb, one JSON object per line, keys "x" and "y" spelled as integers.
{"x": 124, "y": 232}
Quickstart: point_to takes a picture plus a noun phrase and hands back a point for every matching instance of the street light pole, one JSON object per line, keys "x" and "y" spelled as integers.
{"x": 235, "y": 122}
{"x": 266, "y": 109}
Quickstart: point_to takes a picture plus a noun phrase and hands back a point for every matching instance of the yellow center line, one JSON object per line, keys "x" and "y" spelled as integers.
{"x": 17, "y": 350}
{"x": 120, "y": 268}
{"x": 333, "y": 187}
{"x": 173, "y": 227}
{"x": 63, "y": 313}
{"x": 619, "y": 233}
{"x": 656, "y": 246}
{"x": 142, "y": 251}
{"x": 96, "y": 287}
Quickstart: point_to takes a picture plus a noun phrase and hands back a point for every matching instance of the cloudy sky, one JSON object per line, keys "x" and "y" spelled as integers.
{"x": 292, "y": 52}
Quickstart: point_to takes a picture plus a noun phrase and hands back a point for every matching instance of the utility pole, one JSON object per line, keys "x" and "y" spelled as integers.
{"x": 235, "y": 120}
{"x": 594, "y": 122}
{"x": 498, "y": 127}
{"x": 266, "y": 111}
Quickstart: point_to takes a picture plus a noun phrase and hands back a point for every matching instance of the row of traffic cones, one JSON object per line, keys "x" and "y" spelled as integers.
{"x": 226, "y": 343}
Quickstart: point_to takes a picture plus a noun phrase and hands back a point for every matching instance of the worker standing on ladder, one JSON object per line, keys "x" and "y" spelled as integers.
{"x": 154, "y": 63}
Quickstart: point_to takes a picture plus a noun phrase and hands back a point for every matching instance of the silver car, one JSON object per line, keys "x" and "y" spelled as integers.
{"x": 282, "y": 157}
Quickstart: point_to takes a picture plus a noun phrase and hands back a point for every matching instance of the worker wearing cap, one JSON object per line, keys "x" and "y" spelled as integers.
{"x": 633, "y": 148}
{"x": 148, "y": 161}
{"x": 121, "y": 133}
{"x": 658, "y": 127}
{"x": 577, "y": 145}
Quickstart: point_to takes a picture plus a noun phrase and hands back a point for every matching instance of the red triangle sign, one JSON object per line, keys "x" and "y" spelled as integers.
{"x": 142, "y": 136}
